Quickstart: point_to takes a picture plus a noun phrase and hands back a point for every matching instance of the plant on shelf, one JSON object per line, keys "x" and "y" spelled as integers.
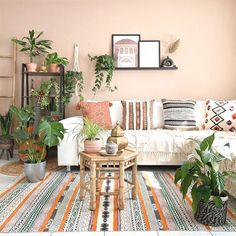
{"x": 202, "y": 176}
{"x": 90, "y": 134}
{"x": 48, "y": 94}
{"x": 6, "y": 139}
{"x": 104, "y": 68}
{"x": 73, "y": 83}
{"x": 44, "y": 132}
{"x": 54, "y": 60}
{"x": 33, "y": 46}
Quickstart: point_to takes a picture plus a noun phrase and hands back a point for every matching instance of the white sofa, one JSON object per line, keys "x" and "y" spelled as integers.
{"x": 155, "y": 147}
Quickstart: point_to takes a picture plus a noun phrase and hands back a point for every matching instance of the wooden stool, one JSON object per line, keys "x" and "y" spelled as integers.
{"x": 7, "y": 149}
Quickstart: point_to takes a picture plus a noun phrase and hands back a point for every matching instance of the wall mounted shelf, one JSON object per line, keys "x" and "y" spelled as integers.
{"x": 148, "y": 68}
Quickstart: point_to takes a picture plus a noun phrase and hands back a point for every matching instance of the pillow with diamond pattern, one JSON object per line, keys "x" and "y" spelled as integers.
{"x": 220, "y": 115}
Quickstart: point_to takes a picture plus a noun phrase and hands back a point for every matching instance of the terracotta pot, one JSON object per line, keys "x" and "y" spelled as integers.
{"x": 53, "y": 68}
{"x": 31, "y": 67}
{"x": 92, "y": 146}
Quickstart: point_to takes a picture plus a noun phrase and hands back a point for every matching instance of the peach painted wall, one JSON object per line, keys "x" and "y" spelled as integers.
{"x": 206, "y": 57}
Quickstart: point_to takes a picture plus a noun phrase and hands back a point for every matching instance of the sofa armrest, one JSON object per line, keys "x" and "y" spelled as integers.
{"x": 67, "y": 150}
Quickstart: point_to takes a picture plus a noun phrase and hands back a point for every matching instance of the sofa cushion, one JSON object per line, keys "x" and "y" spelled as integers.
{"x": 220, "y": 115}
{"x": 179, "y": 114}
{"x": 137, "y": 115}
{"x": 97, "y": 112}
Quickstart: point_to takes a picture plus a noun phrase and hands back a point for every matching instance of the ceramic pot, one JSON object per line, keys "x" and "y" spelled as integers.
{"x": 53, "y": 68}
{"x": 210, "y": 214}
{"x": 111, "y": 148}
{"x": 92, "y": 146}
{"x": 31, "y": 67}
{"x": 35, "y": 172}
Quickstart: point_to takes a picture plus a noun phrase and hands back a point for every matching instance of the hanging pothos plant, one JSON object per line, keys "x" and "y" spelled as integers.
{"x": 73, "y": 83}
{"x": 104, "y": 68}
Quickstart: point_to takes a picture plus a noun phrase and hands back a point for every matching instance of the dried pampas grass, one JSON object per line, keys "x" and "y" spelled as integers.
{"x": 174, "y": 46}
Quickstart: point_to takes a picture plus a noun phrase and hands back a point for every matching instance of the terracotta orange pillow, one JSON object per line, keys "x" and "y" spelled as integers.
{"x": 97, "y": 112}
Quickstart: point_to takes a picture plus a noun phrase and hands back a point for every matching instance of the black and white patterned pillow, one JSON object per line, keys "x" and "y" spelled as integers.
{"x": 179, "y": 114}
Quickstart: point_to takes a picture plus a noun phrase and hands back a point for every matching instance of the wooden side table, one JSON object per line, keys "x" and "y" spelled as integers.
{"x": 97, "y": 163}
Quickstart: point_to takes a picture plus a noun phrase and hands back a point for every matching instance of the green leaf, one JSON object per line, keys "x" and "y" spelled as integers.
{"x": 217, "y": 200}
{"x": 51, "y": 132}
{"x": 186, "y": 182}
{"x": 187, "y": 168}
{"x": 217, "y": 182}
{"x": 202, "y": 192}
{"x": 178, "y": 175}
{"x": 207, "y": 142}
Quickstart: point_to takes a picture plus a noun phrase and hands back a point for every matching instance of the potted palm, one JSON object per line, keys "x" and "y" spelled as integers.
{"x": 45, "y": 132}
{"x": 104, "y": 68}
{"x": 90, "y": 134}
{"x": 6, "y": 139}
{"x": 33, "y": 46}
{"x": 201, "y": 175}
{"x": 53, "y": 60}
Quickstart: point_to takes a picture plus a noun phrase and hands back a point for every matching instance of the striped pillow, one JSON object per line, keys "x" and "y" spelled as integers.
{"x": 137, "y": 115}
{"x": 179, "y": 114}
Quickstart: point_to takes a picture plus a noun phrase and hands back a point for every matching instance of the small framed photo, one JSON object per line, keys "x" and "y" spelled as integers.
{"x": 125, "y": 50}
{"x": 149, "y": 53}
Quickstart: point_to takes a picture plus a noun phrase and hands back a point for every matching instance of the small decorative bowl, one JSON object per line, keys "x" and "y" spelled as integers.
{"x": 111, "y": 148}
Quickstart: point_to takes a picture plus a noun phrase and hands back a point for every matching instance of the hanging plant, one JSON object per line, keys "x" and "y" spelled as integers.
{"x": 74, "y": 82}
{"x": 104, "y": 68}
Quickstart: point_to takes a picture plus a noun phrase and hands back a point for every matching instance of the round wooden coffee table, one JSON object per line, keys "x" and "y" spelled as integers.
{"x": 97, "y": 164}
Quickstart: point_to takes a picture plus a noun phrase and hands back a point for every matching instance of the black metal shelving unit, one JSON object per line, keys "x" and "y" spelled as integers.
{"x": 25, "y": 90}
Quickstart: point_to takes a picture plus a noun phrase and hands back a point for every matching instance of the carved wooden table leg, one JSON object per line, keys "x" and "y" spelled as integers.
{"x": 97, "y": 178}
{"x": 121, "y": 185}
{"x": 93, "y": 186}
{"x": 82, "y": 182}
{"x": 134, "y": 178}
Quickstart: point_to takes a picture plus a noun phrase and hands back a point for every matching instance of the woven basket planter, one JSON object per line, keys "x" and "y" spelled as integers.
{"x": 209, "y": 214}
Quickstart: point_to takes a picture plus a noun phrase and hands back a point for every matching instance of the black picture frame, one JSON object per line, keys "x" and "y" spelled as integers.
{"x": 125, "y": 50}
{"x": 149, "y": 54}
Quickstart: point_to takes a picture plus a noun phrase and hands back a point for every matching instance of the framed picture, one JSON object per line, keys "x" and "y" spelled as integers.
{"x": 125, "y": 50}
{"x": 149, "y": 53}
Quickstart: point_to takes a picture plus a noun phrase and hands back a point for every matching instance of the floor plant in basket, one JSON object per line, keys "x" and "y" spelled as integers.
{"x": 44, "y": 133}
{"x": 201, "y": 176}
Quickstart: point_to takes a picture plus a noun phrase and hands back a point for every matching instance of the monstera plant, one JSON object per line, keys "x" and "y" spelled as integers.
{"x": 35, "y": 134}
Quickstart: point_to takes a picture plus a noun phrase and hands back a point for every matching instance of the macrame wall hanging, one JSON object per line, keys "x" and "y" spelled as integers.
{"x": 76, "y": 66}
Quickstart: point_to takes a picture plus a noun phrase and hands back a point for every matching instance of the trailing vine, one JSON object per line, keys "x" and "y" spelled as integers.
{"x": 74, "y": 83}
{"x": 104, "y": 68}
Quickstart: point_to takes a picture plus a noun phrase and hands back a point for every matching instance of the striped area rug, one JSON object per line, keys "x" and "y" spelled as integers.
{"x": 53, "y": 205}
